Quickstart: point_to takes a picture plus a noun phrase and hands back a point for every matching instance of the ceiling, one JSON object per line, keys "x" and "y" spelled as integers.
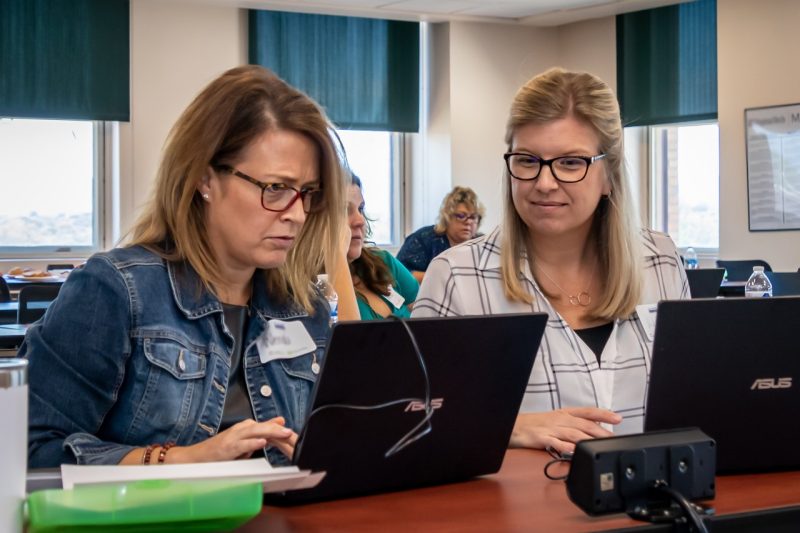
{"x": 525, "y": 12}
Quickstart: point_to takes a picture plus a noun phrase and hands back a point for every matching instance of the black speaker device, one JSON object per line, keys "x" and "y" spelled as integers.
{"x": 622, "y": 473}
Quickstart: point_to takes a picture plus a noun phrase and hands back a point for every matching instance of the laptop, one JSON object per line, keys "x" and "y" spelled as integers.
{"x": 477, "y": 369}
{"x": 705, "y": 282}
{"x": 784, "y": 283}
{"x": 730, "y": 367}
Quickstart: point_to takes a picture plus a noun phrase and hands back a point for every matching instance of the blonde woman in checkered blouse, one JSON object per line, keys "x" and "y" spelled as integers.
{"x": 569, "y": 246}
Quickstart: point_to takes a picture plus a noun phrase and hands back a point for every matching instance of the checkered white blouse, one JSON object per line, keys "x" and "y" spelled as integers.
{"x": 466, "y": 280}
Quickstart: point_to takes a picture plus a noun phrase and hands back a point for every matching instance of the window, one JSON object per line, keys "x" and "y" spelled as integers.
{"x": 51, "y": 187}
{"x": 375, "y": 156}
{"x": 683, "y": 180}
{"x": 675, "y": 175}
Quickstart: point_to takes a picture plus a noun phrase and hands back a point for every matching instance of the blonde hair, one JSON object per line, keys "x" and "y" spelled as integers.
{"x": 230, "y": 113}
{"x": 557, "y": 94}
{"x": 459, "y": 195}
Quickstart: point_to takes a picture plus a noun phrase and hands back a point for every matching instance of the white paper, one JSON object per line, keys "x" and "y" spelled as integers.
{"x": 284, "y": 478}
{"x": 773, "y": 167}
{"x": 295, "y": 483}
{"x": 13, "y": 456}
{"x": 647, "y": 316}
{"x": 395, "y": 298}
{"x": 284, "y": 340}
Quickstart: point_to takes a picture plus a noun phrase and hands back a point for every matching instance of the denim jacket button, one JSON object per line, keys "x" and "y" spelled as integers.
{"x": 181, "y": 362}
{"x": 266, "y": 391}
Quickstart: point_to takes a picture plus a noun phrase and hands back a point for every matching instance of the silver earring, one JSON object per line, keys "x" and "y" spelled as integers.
{"x": 205, "y": 196}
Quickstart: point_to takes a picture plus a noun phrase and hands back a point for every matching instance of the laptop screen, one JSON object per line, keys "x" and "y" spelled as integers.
{"x": 730, "y": 367}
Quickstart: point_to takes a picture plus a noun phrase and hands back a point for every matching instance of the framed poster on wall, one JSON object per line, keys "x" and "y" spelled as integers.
{"x": 773, "y": 167}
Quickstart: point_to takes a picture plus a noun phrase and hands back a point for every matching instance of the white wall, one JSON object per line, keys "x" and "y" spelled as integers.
{"x": 488, "y": 63}
{"x": 590, "y": 46}
{"x": 757, "y": 44}
{"x": 176, "y": 49}
{"x": 430, "y": 149}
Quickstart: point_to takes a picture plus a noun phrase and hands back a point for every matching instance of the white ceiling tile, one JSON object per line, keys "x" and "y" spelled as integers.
{"x": 526, "y": 8}
{"x": 426, "y": 6}
{"x": 529, "y": 12}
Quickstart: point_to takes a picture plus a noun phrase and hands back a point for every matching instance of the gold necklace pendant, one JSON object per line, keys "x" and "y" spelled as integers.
{"x": 583, "y": 299}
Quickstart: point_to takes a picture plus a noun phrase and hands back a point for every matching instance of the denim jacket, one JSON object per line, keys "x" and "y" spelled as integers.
{"x": 421, "y": 247}
{"x": 135, "y": 351}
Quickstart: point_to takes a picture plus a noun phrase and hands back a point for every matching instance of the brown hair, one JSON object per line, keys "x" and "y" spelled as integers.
{"x": 459, "y": 195}
{"x": 369, "y": 267}
{"x": 231, "y": 112}
{"x": 557, "y": 94}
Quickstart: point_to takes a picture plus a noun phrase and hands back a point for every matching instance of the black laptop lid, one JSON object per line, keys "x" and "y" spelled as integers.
{"x": 784, "y": 283}
{"x": 705, "y": 282}
{"x": 730, "y": 367}
{"x": 478, "y": 369}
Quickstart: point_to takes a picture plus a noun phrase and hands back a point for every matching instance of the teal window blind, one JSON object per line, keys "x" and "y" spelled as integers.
{"x": 65, "y": 59}
{"x": 364, "y": 72}
{"x": 667, "y": 64}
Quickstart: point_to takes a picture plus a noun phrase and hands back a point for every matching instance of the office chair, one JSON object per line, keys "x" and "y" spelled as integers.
{"x": 26, "y": 313}
{"x": 704, "y": 282}
{"x": 5, "y": 294}
{"x": 740, "y": 270}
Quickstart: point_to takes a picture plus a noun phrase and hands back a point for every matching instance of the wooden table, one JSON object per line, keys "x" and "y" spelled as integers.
{"x": 518, "y": 498}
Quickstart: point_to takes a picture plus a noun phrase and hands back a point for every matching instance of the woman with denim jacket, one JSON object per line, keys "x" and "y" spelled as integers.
{"x": 203, "y": 336}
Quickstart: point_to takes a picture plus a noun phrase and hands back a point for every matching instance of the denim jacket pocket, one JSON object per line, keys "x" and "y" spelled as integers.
{"x": 300, "y": 367}
{"x": 173, "y": 379}
{"x": 182, "y": 362}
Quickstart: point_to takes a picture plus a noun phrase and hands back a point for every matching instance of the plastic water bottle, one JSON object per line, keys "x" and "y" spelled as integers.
{"x": 330, "y": 295}
{"x": 690, "y": 258}
{"x": 758, "y": 286}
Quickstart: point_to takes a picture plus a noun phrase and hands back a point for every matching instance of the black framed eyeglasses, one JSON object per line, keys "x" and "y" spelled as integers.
{"x": 463, "y": 217}
{"x": 566, "y": 169}
{"x": 279, "y": 197}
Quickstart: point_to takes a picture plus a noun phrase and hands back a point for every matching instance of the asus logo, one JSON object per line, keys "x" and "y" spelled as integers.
{"x": 436, "y": 403}
{"x": 771, "y": 383}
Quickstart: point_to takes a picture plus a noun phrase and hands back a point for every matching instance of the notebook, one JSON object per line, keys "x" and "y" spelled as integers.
{"x": 705, "y": 282}
{"x": 477, "y": 368}
{"x": 730, "y": 367}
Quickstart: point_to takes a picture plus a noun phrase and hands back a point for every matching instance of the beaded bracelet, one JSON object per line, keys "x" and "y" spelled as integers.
{"x": 147, "y": 453}
{"x": 162, "y": 454}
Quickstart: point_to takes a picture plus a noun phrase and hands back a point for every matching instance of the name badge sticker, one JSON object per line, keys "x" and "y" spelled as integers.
{"x": 395, "y": 298}
{"x": 284, "y": 340}
{"x": 647, "y": 316}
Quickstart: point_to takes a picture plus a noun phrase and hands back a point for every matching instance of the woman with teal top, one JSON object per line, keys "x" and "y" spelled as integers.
{"x": 383, "y": 285}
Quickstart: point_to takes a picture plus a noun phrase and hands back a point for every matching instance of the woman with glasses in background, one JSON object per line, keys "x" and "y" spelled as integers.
{"x": 570, "y": 247}
{"x": 172, "y": 349}
{"x": 459, "y": 219}
{"x": 383, "y": 286}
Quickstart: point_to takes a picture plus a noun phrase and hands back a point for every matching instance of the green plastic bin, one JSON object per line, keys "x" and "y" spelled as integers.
{"x": 158, "y": 505}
